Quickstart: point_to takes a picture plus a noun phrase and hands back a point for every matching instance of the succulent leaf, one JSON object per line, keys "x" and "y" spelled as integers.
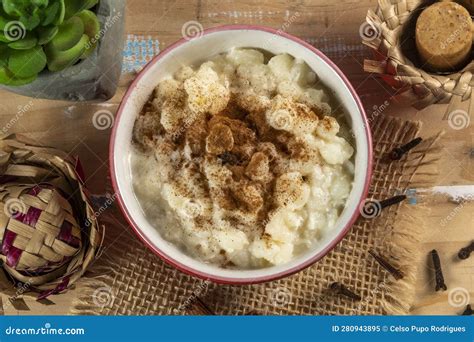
{"x": 45, "y": 34}
{"x": 28, "y": 12}
{"x": 59, "y": 60}
{"x": 31, "y": 21}
{"x": 26, "y": 63}
{"x": 7, "y": 78}
{"x": 14, "y": 7}
{"x": 26, "y": 43}
{"x": 70, "y": 32}
{"x": 61, "y": 13}
{"x": 75, "y": 6}
{"x": 4, "y": 38}
{"x": 41, "y": 3}
{"x": 4, "y": 18}
{"x": 4, "y": 53}
{"x": 3, "y": 21}
{"x": 51, "y": 13}
{"x": 91, "y": 3}
{"x": 18, "y": 8}
{"x": 91, "y": 29}
{"x": 39, "y": 34}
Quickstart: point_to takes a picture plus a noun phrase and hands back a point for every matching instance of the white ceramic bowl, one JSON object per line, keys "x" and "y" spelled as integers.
{"x": 198, "y": 50}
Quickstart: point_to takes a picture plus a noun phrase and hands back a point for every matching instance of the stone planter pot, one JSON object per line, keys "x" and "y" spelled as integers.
{"x": 94, "y": 78}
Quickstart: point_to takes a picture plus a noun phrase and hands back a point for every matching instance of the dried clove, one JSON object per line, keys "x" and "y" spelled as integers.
{"x": 465, "y": 252}
{"x": 440, "y": 285}
{"x": 340, "y": 289}
{"x": 468, "y": 311}
{"x": 396, "y": 273}
{"x": 373, "y": 208}
{"x": 392, "y": 201}
{"x": 198, "y": 307}
{"x": 398, "y": 152}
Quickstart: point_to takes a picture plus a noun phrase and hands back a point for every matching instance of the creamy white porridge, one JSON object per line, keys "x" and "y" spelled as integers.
{"x": 240, "y": 161}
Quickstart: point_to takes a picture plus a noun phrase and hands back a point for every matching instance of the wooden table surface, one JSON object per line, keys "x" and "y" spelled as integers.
{"x": 333, "y": 27}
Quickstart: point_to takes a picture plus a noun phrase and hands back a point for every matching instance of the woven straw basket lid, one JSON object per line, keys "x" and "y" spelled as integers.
{"x": 48, "y": 230}
{"x": 383, "y": 32}
{"x": 37, "y": 228}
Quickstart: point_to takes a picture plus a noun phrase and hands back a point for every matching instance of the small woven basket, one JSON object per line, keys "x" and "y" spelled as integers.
{"x": 389, "y": 31}
{"x": 48, "y": 231}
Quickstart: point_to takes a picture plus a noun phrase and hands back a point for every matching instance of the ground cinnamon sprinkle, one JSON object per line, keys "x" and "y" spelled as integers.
{"x": 235, "y": 156}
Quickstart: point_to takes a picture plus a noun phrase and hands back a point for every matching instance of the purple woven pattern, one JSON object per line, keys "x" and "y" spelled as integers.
{"x": 38, "y": 232}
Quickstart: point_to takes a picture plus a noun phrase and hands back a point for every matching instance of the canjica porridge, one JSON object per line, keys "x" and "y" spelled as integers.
{"x": 240, "y": 161}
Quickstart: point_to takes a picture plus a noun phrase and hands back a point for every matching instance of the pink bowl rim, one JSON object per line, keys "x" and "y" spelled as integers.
{"x": 226, "y": 280}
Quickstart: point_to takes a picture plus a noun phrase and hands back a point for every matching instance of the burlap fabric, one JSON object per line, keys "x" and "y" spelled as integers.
{"x": 389, "y": 31}
{"x": 128, "y": 279}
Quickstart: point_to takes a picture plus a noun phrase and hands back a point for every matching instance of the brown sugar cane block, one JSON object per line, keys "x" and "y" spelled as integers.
{"x": 444, "y": 35}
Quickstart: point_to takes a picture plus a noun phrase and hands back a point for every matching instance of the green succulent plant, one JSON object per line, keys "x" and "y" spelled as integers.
{"x": 44, "y": 34}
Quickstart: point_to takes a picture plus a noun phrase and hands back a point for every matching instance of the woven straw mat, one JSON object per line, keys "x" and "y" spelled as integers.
{"x": 128, "y": 279}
